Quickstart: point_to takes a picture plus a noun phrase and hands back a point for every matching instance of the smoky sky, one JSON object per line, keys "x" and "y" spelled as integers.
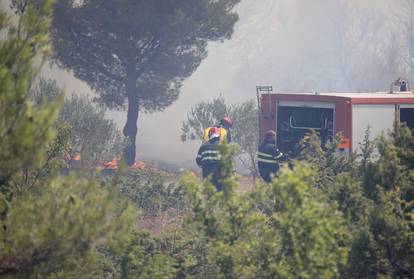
{"x": 293, "y": 45}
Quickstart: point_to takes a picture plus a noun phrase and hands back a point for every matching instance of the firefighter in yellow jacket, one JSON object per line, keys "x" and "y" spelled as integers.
{"x": 224, "y": 125}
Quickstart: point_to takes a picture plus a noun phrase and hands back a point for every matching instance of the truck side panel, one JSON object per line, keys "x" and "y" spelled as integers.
{"x": 379, "y": 118}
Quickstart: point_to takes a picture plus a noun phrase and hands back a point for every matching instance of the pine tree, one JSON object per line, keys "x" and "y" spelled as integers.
{"x": 136, "y": 55}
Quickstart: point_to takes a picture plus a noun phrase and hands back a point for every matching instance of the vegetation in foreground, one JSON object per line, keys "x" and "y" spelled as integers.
{"x": 328, "y": 217}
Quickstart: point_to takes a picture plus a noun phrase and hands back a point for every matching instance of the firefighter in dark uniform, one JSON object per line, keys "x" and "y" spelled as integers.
{"x": 208, "y": 157}
{"x": 268, "y": 156}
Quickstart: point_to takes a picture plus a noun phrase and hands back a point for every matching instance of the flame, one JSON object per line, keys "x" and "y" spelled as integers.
{"x": 77, "y": 157}
{"x": 138, "y": 165}
{"x": 73, "y": 158}
{"x": 112, "y": 165}
{"x": 195, "y": 174}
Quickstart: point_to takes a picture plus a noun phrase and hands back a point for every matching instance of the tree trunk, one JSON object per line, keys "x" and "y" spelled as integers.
{"x": 130, "y": 128}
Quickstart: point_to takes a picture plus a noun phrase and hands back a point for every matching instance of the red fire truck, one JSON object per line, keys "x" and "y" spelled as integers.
{"x": 294, "y": 115}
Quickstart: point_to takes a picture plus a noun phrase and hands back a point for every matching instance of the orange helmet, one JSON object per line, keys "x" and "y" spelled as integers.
{"x": 214, "y": 132}
{"x": 226, "y": 121}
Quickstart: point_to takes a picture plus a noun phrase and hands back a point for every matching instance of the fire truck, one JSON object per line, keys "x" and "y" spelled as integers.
{"x": 294, "y": 115}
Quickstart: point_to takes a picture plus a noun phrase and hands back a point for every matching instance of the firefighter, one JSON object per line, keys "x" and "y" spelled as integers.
{"x": 208, "y": 157}
{"x": 268, "y": 156}
{"x": 224, "y": 125}
{"x": 403, "y": 86}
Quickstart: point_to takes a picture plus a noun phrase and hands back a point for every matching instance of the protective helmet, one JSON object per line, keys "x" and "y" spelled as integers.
{"x": 270, "y": 134}
{"x": 214, "y": 132}
{"x": 226, "y": 121}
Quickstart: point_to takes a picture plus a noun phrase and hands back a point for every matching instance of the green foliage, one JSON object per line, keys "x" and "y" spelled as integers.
{"x": 55, "y": 160}
{"x": 97, "y": 139}
{"x": 375, "y": 194}
{"x": 45, "y": 91}
{"x": 390, "y": 249}
{"x": 145, "y": 258}
{"x": 367, "y": 150}
{"x": 57, "y": 229}
{"x": 404, "y": 142}
{"x": 223, "y": 221}
{"x": 313, "y": 235}
{"x": 161, "y": 200}
{"x": 350, "y": 197}
{"x": 26, "y": 131}
{"x": 91, "y": 135}
{"x": 386, "y": 171}
{"x": 326, "y": 160}
{"x": 51, "y": 225}
{"x": 152, "y": 191}
{"x": 391, "y": 220}
{"x": 286, "y": 230}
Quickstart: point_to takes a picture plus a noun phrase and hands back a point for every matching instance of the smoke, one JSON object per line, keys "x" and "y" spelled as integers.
{"x": 294, "y": 45}
{"x": 291, "y": 45}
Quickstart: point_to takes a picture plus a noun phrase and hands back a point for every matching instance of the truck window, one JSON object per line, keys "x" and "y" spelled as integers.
{"x": 407, "y": 116}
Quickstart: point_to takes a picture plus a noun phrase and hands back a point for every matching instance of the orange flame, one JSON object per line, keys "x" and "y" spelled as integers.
{"x": 77, "y": 157}
{"x": 112, "y": 165}
{"x": 138, "y": 165}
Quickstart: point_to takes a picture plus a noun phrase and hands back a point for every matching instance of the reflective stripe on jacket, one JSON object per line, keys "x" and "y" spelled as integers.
{"x": 209, "y": 156}
{"x": 268, "y": 156}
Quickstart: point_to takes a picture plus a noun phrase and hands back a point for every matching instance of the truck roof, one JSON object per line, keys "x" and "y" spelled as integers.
{"x": 354, "y": 98}
{"x": 408, "y": 94}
